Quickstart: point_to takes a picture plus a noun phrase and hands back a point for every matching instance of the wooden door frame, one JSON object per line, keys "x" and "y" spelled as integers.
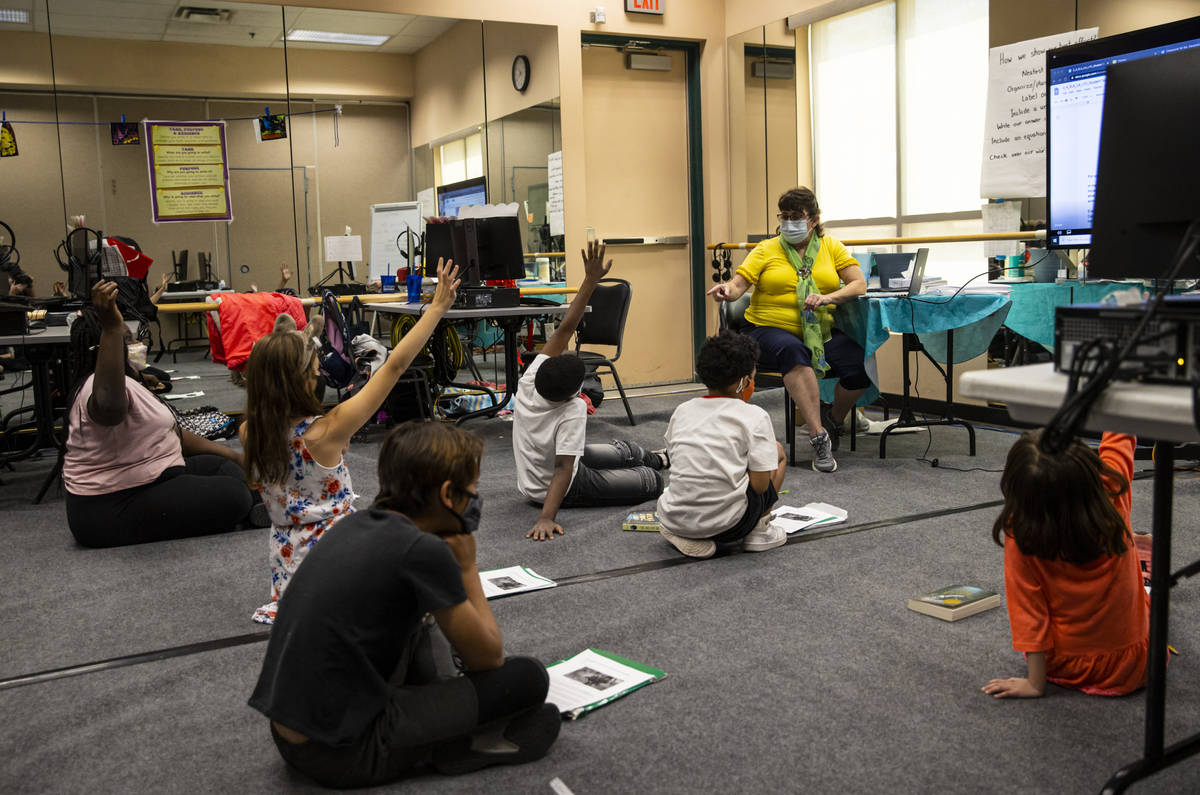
{"x": 695, "y": 158}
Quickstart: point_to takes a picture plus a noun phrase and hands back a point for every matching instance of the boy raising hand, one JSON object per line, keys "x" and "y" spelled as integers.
{"x": 555, "y": 466}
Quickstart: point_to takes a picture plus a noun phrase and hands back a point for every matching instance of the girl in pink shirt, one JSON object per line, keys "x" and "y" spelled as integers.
{"x": 131, "y": 474}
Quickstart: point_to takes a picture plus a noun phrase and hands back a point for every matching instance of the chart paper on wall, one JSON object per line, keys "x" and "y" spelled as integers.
{"x": 1014, "y": 132}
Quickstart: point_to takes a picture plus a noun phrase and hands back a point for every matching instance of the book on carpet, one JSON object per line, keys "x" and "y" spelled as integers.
{"x": 512, "y": 580}
{"x": 955, "y": 602}
{"x": 593, "y": 678}
{"x": 646, "y": 521}
{"x": 816, "y": 514}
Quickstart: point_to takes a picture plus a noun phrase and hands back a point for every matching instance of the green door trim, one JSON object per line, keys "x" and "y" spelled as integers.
{"x": 691, "y": 51}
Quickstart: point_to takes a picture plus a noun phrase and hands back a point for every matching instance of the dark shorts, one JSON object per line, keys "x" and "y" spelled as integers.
{"x": 783, "y": 351}
{"x": 756, "y": 505}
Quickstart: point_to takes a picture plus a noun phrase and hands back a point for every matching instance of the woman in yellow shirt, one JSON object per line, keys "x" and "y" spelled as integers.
{"x": 799, "y": 278}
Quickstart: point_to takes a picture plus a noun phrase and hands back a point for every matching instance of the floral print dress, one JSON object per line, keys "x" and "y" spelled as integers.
{"x": 301, "y": 509}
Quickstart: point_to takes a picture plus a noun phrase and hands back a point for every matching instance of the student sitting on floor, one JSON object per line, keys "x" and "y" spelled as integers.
{"x": 295, "y": 454}
{"x": 131, "y": 474}
{"x": 351, "y": 675}
{"x": 726, "y": 467}
{"x": 1076, "y": 603}
{"x": 554, "y": 465}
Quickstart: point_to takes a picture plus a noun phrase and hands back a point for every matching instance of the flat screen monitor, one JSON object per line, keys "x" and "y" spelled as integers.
{"x": 1148, "y": 179}
{"x": 461, "y": 194}
{"x": 1075, "y": 105}
{"x": 485, "y": 249}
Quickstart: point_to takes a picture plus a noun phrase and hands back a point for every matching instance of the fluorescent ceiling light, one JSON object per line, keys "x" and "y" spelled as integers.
{"x": 325, "y": 37}
{"x": 14, "y": 16}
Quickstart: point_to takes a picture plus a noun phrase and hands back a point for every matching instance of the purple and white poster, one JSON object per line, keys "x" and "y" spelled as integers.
{"x": 189, "y": 171}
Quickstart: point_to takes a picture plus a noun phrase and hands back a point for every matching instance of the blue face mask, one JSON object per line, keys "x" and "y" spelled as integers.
{"x": 794, "y": 231}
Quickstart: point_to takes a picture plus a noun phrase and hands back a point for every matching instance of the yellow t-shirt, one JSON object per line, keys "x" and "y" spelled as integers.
{"x": 774, "y": 300}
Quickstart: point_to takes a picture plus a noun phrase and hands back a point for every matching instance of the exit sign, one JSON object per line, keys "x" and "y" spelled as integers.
{"x": 645, "y": 6}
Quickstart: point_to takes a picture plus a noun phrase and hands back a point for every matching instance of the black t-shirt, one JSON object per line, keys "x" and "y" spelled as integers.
{"x": 345, "y": 620}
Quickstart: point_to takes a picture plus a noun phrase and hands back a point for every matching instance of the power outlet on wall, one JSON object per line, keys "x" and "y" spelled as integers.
{"x": 596, "y": 16}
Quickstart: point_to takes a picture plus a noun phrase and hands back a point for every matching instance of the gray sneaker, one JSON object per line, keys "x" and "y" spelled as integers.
{"x": 822, "y": 453}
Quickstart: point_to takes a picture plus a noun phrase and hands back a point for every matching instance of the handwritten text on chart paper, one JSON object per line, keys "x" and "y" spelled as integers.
{"x": 1014, "y": 142}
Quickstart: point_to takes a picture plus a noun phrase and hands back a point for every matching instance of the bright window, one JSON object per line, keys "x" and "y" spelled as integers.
{"x": 461, "y": 159}
{"x": 854, "y": 98}
{"x": 913, "y": 71}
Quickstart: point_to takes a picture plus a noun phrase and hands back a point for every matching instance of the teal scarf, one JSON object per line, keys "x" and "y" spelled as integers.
{"x": 817, "y": 324}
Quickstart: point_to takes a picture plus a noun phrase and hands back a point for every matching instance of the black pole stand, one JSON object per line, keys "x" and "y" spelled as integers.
{"x": 1154, "y": 756}
{"x": 907, "y": 418}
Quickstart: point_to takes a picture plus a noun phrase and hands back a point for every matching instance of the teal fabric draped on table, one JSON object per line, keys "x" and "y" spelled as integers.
{"x": 973, "y": 317}
{"x": 1033, "y": 305}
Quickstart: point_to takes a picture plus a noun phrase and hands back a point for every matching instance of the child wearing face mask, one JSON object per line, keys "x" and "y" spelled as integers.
{"x": 359, "y": 688}
{"x": 726, "y": 467}
{"x": 295, "y": 453}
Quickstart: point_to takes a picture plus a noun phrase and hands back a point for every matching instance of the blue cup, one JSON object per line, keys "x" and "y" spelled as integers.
{"x": 387, "y": 284}
{"x": 414, "y": 288}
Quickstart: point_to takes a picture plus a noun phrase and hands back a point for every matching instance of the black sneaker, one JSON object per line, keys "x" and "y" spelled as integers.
{"x": 529, "y": 737}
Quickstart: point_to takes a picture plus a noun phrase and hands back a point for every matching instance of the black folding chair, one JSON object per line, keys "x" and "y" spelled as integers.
{"x": 605, "y": 325}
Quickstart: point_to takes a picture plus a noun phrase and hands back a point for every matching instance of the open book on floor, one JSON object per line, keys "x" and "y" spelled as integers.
{"x": 816, "y": 514}
{"x": 954, "y": 602}
{"x": 593, "y": 678}
{"x": 513, "y": 580}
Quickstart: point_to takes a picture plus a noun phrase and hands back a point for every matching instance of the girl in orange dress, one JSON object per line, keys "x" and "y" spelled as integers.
{"x": 1076, "y": 601}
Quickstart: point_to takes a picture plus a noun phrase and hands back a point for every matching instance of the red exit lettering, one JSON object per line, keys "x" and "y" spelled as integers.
{"x": 645, "y": 5}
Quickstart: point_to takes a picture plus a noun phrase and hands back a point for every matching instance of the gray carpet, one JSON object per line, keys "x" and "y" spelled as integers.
{"x": 795, "y": 670}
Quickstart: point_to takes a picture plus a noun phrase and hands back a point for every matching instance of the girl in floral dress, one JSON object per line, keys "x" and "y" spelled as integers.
{"x": 295, "y": 454}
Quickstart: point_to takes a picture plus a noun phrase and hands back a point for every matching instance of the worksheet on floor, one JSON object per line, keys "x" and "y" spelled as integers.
{"x": 590, "y": 679}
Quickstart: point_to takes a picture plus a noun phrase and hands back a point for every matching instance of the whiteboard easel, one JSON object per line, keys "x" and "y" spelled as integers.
{"x": 389, "y": 221}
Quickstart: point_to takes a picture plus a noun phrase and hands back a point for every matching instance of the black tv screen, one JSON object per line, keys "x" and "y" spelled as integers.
{"x": 1076, "y": 77}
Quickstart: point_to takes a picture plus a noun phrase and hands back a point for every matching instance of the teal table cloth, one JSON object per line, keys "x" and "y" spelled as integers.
{"x": 1033, "y": 305}
{"x": 973, "y": 317}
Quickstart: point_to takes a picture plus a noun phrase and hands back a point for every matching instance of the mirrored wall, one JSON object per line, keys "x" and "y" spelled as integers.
{"x": 326, "y": 112}
{"x": 769, "y": 110}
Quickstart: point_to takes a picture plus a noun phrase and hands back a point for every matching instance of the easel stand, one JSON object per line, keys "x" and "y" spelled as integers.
{"x": 907, "y": 419}
{"x": 342, "y": 270}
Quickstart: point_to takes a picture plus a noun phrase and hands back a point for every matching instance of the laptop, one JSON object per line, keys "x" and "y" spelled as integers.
{"x": 914, "y": 282}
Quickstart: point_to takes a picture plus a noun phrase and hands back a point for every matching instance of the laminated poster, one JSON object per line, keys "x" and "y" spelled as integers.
{"x": 189, "y": 171}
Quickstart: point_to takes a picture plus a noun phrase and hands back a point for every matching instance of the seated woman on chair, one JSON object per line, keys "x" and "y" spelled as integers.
{"x": 799, "y": 278}
{"x": 131, "y": 474}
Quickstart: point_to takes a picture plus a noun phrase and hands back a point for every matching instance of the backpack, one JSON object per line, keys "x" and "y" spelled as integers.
{"x": 337, "y": 356}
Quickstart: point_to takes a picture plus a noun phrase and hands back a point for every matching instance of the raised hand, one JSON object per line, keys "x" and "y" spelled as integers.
{"x": 594, "y": 266}
{"x": 104, "y": 298}
{"x": 447, "y": 286}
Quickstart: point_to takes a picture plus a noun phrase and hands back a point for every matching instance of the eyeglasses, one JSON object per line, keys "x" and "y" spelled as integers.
{"x": 791, "y": 216}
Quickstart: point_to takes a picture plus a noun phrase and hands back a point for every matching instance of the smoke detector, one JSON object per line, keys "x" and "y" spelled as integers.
{"x": 219, "y": 16}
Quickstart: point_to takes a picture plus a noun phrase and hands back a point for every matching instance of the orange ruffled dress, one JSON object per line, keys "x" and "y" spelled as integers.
{"x": 1091, "y": 620}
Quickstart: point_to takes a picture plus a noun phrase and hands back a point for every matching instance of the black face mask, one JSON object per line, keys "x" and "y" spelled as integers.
{"x": 469, "y": 518}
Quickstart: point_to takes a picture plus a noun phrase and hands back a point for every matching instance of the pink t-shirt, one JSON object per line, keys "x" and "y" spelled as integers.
{"x": 102, "y": 459}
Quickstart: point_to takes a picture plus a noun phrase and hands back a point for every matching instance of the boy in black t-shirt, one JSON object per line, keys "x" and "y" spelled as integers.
{"x": 350, "y": 680}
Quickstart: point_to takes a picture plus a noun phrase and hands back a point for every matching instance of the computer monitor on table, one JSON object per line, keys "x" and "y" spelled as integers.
{"x": 485, "y": 249}
{"x": 1075, "y": 106}
{"x": 461, "y": 194}
{"x": 1148, "y": 178}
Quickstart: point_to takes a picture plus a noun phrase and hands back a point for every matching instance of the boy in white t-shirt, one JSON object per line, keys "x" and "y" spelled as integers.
{"x": 726, "y": 467}
{"x": 555, "y": 466}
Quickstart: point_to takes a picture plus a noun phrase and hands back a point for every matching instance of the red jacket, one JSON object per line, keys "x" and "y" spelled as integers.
{"x": 242, "y": 318}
